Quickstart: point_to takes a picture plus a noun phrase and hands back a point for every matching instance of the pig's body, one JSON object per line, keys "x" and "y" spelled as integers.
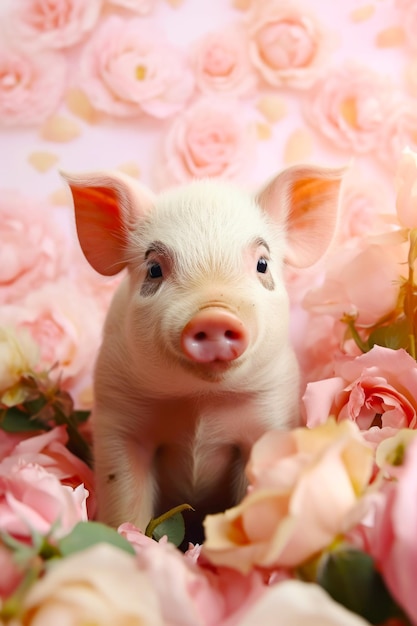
{"x": 196, "y": 361}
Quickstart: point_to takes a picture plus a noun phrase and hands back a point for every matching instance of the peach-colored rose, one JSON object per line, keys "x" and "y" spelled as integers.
{"x": 128, "y": 67}
{"x": 49, "y": 451}
{"x": 296, "y": 603}
{"x": 407, "y": 12}
{"x": 33, "y": 248}
{"x": 377, "y": 391}
{"x": 364, "y": 283}
{"x": 143, "y": 7}
{"x": 222, "y": 65}
{"x": 66, "y": 324}
{"x": 349, "y": 105}
{"x": 406, "y": 186}
{"x": 19, "y": 355}
{"x": 31, "y": 85}
{"x": 399, "y": 131}
{"x": 102, "y": 585}
{"x": 31, "y": 498}
{"x": 53, "y": 24}
{"x": 303, "y": 485}
{"x": 287, "y": 44}
{"x": 208, "y": 140}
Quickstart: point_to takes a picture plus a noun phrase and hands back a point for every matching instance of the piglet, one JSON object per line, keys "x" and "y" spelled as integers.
{"x": 196, "y": 362}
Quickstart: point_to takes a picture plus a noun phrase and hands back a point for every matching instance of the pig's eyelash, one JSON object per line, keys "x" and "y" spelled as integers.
{"x": 158, "y": 248}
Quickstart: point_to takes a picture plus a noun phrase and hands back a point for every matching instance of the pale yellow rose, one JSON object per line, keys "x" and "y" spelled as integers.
{"x": 101, "y": 585}
{"x": 19, "y": 355}
{"x": 303, "y": 486}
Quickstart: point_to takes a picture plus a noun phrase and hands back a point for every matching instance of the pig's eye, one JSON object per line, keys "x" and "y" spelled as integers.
{"x": 262, "y": 265}
{"x": 155, "y": 271}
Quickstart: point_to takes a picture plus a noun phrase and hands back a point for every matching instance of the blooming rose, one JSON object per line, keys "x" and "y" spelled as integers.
{"x": 33, "y": 249}
{"x": 295, "y": 603}
{"x": 393, "y": 539}
{"x": 53, "y": 24}
{"x": 101, "y": 585}
{"x": 19, "y": 355}
{"x": 129, "y": 68}
{"x": 364, "y": 283}
{"x": 287, "y": 44}
{"x": 49, "y": 451}
{"x": 31, "y": 498}
{"x": 31, "y": 85}
{"x": 306, "y": 474}
{"x": 349, "y": 105}
{"x": 221, "y": 63}
{"x": 377, "y": 391}
{"x": 66, "y": 324}
{"x": 208, "y": 140}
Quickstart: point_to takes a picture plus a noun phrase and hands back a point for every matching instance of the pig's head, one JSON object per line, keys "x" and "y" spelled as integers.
{"x": 205, "y": 299}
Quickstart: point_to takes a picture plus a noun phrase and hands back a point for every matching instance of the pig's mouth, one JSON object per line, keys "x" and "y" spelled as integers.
{"x": 213, "y": 371}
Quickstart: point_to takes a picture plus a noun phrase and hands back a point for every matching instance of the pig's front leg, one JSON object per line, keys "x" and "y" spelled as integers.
{"x": 124, "y": 480}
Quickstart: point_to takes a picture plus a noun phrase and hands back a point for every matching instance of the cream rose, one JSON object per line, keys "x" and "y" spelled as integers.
{"x": 306, "y": 474}
{"x": 101, "y": 585}
{"x": 19, "y": 355}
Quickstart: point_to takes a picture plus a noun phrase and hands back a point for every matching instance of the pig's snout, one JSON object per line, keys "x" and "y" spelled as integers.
{"x": 214, "y": 335}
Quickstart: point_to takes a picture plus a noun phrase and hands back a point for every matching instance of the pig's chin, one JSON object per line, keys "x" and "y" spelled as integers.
{"x": 214, "y": 371}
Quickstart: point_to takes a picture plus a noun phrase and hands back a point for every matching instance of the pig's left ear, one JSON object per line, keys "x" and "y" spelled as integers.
{"x": 305, "y": 199}
{"x": 108, "y": 206}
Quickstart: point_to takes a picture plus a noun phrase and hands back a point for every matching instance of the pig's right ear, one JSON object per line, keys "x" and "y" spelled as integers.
{"x": 108, "y": 206}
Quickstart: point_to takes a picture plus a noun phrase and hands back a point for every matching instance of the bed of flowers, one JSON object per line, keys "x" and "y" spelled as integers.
{"x": 326, "y": 534}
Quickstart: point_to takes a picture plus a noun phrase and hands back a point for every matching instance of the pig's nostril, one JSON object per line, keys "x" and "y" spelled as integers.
{"x": 232, "y": 334}
{"x": 200, "y": 336}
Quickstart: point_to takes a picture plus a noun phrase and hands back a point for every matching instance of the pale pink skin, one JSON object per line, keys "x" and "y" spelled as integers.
{"x": 208, "y": 140}
{"x": 382, "y": 382}
{"x": 34, "y": 249}
{"x": 54, "y": 24}
{"x": 31, "y": 86}
{"x": 128, "y": 68}
{"x": 144, "y": 374}
{"x": 33, "y": 498}
{"x": 287, "y": 44}
{"x": 392, "y": 540}
{"x": 359, "y": 88}
{"x": 222, "y": 65}
{"x": 49, "y": 451}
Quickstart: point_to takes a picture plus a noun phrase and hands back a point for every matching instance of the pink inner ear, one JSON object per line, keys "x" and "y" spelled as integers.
{"x": 100, "y": 228}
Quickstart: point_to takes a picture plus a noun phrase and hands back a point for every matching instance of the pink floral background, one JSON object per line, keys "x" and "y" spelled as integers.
{"x": 169, "y": 90}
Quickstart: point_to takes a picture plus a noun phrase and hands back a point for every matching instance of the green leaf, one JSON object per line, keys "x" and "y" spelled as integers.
{"x": 394, "y": 336}
{"x": 80, "y": 417}
{"x": 173, "y": 528}
{"x": 86, "y": 534}
{"x": 15, "y": 420}
{"x": 349, "y": 576}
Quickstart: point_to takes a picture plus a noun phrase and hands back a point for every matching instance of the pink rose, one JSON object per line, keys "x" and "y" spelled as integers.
{"x": 393, "y": 539}
{"x": 377, "y": 391}
{"x": 222, "y": 65}
{"x": 128, "y": 68}
{"x": 305, "y": 474}
{"x": 49, "y": 451}
{"x": 31, "y": 85}
{"x": 398, "y": 132}
{"x": 287, "y": 45}
{"x": 31, "y": 498}
{"x": 406, "y": 178}
{"x": 365, "y": 283}
{"x": 349, "y": 105}
{"x": 66, "y": 324}
{"x": 208, "y": 140}
{"x": 33, "y": 248}
{"x": 11, "y": 573}
{"x": 53, "y": 24}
